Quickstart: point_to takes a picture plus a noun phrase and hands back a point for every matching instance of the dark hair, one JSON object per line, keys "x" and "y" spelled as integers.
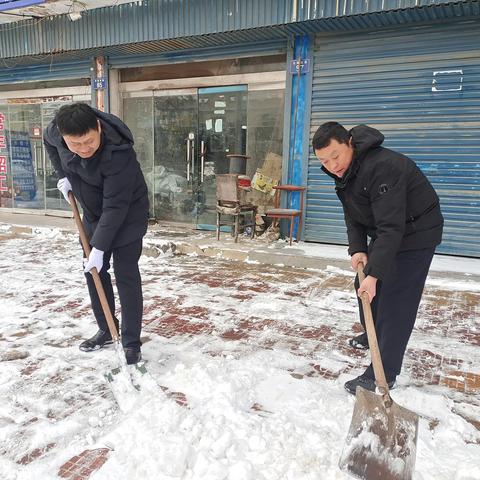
{"x": 327, "y": 132}
{"x": 76, "y": 119}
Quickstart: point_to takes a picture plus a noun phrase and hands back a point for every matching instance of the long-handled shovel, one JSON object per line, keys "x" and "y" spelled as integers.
{"x": 123, "y": 381}
{"x": 382, "y": 440}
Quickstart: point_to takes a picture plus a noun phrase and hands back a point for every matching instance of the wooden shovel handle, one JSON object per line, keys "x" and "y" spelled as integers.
{"x": 378, "y": 370}
{"x": 93, "y": 271}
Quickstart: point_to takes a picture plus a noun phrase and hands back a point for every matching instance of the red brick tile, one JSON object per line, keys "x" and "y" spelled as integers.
{"x": 318, "y": 370}
{"x": 461, "y": 381}
{"x": 179, "y": 397}
{"x": 34, "y": 454}
{"x": 82, "y": 466}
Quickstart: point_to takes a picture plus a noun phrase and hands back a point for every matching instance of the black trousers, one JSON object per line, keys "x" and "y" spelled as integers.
{"x": 395, "y": 307}
{"x": 129, "y": 286}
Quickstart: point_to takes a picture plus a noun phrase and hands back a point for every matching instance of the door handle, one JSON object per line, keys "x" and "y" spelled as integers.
{"x": 190, "y": 155}
{"x": 203, "y": 152}
{"x": 188, "y": 159}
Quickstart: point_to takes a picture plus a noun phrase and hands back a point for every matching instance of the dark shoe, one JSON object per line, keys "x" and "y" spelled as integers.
{"x": 99, "y": 340}
{"x": 365, "y": 382}
{"x": 360, "y": 341}
{"x": 132, "y": 355}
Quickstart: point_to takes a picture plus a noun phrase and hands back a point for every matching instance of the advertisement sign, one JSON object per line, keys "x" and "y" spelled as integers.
{"x": 3, "y": 156}
{"x": 21, "y": 160}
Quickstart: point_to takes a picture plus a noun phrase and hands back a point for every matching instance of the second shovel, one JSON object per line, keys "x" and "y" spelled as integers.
{"x": 382, "y": 439}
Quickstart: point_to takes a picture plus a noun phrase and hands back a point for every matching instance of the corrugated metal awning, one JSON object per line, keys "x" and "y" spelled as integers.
{"x": 163, "y": 26}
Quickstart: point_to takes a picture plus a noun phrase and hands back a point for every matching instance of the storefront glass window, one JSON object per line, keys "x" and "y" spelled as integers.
{"x": 27, "y": 177}
{"x": 25, "y": 151}
{"x": 138, "y": 115}
{"x": 6, "y": 187}
{"x": 53, "y": 198}
{"x": 264, "y": 143}
{"x": 197, "y": 127}
{"x": 182, "y": 139}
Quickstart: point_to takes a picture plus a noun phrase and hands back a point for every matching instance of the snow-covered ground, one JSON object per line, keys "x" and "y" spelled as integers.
{"x": 249, "y": 412}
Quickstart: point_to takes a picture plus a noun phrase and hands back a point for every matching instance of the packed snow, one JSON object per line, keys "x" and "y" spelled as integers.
{"x": 248, "y": 412}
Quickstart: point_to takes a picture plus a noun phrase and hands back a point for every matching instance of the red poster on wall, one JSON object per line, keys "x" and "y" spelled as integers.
{"x": 3, "y": 158}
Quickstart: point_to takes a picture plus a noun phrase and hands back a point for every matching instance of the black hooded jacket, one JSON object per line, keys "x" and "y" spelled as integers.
{"x": 110, "y": 185}
{"x": 386, "y": 197}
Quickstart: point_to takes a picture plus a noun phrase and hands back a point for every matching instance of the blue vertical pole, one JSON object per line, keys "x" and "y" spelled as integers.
{"x": 301, "y": 72}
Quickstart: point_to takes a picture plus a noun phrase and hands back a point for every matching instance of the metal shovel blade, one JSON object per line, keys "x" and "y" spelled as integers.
{"x": 130, "y": 383}
{"x": 382, "y": 441}
{"x": 138, "y": 376}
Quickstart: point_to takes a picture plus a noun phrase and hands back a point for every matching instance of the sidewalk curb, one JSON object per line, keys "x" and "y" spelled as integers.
{"x": 155, "y": 247}
{"x": 160, "y": 242}
{"x": 261, "y": 256}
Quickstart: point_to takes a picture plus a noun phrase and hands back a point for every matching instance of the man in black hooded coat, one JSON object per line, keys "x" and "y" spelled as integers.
{"x": 385, "y": 198}
{"x": 93, "y": 156}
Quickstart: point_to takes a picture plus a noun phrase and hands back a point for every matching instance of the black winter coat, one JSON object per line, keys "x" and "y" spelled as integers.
{"x": 110, "y": 185}
{"x": 386, "y": 197}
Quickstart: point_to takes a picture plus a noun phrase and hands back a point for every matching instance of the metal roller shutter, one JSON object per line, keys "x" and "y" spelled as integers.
{"x": 421, "y": 87}
{"x": 54, "y": 71}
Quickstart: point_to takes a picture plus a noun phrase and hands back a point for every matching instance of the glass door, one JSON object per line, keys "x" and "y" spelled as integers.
{"x": 182, "y": 139}
{"x": 194, "y": 130}
{"x": 222, "y": 131}
{"x": 175, "y": 182}
{"x": 164, "y": 125}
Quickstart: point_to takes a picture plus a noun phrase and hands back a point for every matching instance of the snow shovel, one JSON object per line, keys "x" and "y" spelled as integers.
{"x": 382, "y": 440}
{"x": 125, "y": 382}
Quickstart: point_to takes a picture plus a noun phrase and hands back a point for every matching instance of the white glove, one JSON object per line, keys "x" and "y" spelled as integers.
{"x": 95, "y": 260}
{"x": 64, "y": 186}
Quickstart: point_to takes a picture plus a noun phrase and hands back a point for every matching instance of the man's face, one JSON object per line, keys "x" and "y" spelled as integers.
{"x": 86, "y": 145}
{"x": 336, "y": 157}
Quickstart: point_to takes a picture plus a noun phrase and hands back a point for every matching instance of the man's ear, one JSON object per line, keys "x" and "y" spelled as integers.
{"x": 99, "y": 125}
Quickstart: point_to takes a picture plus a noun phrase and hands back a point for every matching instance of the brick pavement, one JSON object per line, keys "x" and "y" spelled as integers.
{"x": 82, "y": 466}
{"x": 443, "y": 314}
{"x": 315, "y": 318}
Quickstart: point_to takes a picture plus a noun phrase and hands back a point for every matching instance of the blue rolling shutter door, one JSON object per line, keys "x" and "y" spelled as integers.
{"x": 54, "y": 71}
{"x": 420, "y": 87}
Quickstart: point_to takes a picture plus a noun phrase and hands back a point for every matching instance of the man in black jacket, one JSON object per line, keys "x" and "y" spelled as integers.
{"x": 93, "y": 156}
{"x": 387, "y": 198}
